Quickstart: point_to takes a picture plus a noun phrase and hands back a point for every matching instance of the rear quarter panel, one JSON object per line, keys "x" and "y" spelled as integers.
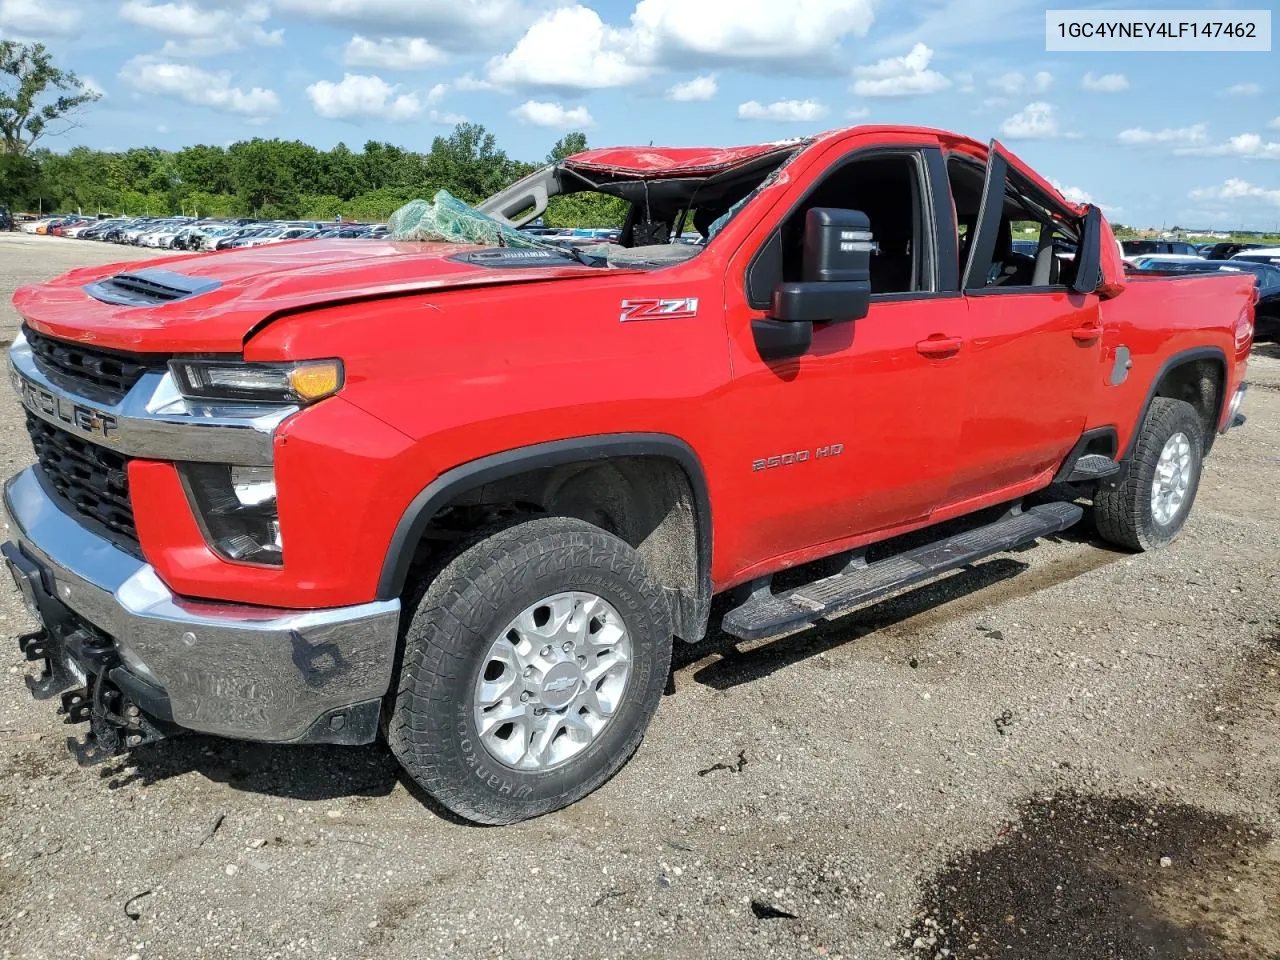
{"x": 1162, "y": 320}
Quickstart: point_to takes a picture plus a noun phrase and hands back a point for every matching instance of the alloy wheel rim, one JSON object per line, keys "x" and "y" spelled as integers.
{"x": 552, "y": 681}
{"x": 1172, "y": 481}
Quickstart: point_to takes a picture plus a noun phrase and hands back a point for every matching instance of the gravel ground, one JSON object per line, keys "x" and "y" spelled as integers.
{"x": 1062, "y": 752}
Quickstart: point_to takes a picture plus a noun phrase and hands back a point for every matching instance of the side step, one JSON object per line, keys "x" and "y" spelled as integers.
{"x": 1093, "y": 466}
{"x": 767, "y": 614}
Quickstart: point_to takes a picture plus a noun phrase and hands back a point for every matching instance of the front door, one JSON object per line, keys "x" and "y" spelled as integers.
{"x": 860, "y": 433}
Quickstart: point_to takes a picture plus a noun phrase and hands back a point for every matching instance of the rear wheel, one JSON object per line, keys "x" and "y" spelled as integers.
{"x": 532, "y": 666}
{"x": 1147, "y": 511}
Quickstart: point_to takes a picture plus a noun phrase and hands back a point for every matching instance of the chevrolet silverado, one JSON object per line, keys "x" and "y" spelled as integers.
{"x": 465, "y": 497}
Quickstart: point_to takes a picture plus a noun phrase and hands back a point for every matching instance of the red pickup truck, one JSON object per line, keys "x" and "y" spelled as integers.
{"x": 467, "y": 496}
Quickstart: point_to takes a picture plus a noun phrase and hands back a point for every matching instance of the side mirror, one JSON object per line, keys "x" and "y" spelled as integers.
{"x": 1089, "y": 254}
{"x": 836, "y": 284}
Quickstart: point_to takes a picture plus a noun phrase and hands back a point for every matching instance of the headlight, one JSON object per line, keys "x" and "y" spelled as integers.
{"x": 236, "y": 507}
{"x": 304, "y": 382}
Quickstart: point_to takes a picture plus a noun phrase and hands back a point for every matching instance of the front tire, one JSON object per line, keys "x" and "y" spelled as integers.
{"x": 1148, "y": 510}
{"x": 532, "y": 666}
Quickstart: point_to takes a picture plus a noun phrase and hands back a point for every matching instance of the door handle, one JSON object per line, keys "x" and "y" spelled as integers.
{"x": 939, "y": 346}
{"x": 1089, "y": 333}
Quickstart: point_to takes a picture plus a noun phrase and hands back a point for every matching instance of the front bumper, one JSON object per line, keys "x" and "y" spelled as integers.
{"x": 250, "y": 673}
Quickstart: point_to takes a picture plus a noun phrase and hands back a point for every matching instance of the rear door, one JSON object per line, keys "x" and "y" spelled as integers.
{"x": 1035, "y": 345}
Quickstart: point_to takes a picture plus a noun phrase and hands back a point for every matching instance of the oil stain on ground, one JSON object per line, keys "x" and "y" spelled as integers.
{"x": 1107, "y": 878}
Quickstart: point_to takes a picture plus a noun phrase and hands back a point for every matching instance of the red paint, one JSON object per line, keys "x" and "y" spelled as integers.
{"x": 941, "y": 405}
{"x": 646, "y": 162}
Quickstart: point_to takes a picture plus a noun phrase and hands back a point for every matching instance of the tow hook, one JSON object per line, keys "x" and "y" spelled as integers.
{"x": 116, "y": 724}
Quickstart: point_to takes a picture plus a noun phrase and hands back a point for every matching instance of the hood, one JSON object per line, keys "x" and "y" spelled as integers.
{"x": 225, "y": 296}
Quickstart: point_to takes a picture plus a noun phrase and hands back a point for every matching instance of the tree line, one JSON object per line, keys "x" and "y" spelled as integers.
{"x": 281, "y": 179}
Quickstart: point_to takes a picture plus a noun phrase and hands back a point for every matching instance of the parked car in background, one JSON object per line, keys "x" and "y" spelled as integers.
{"x": 1225, "y": 251}
{"x": 1260, "y": 255}
{"x": 1138, "y": 248}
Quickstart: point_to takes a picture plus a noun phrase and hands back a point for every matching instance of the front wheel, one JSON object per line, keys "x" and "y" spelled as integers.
{"x": 532, "y": 666}
{"x": 1147, "y": 511}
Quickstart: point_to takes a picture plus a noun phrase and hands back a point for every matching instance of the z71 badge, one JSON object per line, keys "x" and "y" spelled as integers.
{"x": 681, "y": 309}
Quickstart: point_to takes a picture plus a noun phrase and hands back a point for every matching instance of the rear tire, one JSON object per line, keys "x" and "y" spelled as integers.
{"x": 1147, "y": 511}
{"x": 552, "y": 615}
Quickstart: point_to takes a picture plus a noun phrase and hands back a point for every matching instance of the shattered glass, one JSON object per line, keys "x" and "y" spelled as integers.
{"x": 447, "y": 218}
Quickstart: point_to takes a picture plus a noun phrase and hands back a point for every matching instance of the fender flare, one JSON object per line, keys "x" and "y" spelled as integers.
{"x": 476, "y": 473}
{"x": 1177, "y": 360}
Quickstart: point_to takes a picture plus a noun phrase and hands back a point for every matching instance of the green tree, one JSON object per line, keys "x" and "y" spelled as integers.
{"x": 468, "y": 163}
{"x": 261, "y": 176}
{"x": 585, "y": 209}
{"x": 19, "y": 179}
{"x": 575, "y": 141}
{"x": 203, "y": 168}
{"x": 35, "y": 95}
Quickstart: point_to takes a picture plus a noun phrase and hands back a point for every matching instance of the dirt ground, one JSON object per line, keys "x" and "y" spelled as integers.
{"x": 1064, "y": 752}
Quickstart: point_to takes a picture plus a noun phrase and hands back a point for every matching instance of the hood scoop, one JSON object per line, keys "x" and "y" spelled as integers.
{"x": 148, "y": 288}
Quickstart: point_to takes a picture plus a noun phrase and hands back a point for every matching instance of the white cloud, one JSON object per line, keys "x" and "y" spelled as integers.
{"x": 964, "y": 81}
{"x": 699, "y": 88}
{"x": 359, "y": 96}
{"x": 1243, "y": 90}
{"x": 900, "y": 76}
{"x": 786, "y": 111}
{"x": 445, "y": 118}
{"x": 857, "y": 113}
{"x": 571, "y": 47}
{"x": 1106, "y": 83}
{"x": 469, "y": 83}
{"x": 199, "y": 87}
{"x": 1247, "y": 146}
{"x": 801, "y": 35}
{"x": 197, "y": 31}
{"x": 391, "y": 53}
{"x": 1074, "y": 194}
{"x": 93, "y": 86}
{"x": 543, "y": 114}
{"x": 1274, "y": 124}
{"x": 594, "y": 54}
{"x": 1138, "y": 136}
{"x": 1079, "y": 195}
{"x": 1035, "y": 121}
{"x": 1015, "y": 84}
{"x": 1236, "y": 189}
{"x": 452, "y": 24}
{"x": 38, "y": 19}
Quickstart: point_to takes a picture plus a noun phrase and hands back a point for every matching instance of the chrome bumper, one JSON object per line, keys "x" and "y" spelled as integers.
{"x": 238, "y": 671}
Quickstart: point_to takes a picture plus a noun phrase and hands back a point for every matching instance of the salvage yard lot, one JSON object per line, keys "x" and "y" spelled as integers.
{"x": 1061, "y": 752}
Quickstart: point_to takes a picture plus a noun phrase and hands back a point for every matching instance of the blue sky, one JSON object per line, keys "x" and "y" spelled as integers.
{"x": 1154, "y": 138}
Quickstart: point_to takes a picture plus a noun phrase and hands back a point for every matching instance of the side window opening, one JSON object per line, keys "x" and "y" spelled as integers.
{"x": 888, "y": 190}
{"x": 1035, "y": 244}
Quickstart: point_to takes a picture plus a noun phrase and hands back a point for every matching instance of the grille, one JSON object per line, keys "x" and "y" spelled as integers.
{"x": 112, "y": 372}
{"x": 94, "y": 481}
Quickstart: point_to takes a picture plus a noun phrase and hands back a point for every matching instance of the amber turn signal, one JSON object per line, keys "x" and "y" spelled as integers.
{"x": 317, "y": 380}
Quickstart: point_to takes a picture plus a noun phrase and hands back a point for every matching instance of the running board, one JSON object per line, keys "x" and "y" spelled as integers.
{"x": 767, "y": 614}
